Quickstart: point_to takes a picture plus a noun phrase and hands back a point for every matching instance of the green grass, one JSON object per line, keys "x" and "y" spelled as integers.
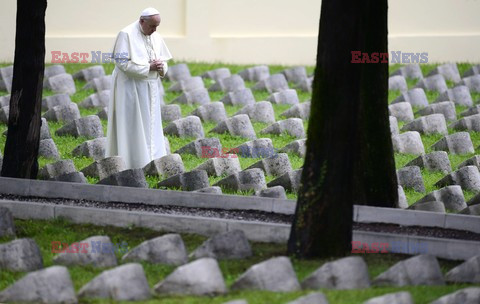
{"x": 67, "y": 144}
{"x": 46, "y": 232}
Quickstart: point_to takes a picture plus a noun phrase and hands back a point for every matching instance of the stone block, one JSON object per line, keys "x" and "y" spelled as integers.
{"x": 262, "y": 147}
{"x": 49, "y": 285}
{"x": 100, "y": 83}
{"x": 416, "y": 97}
{"x": 448, "y": 70}
{"x": 240, "y": 97}
{"x": 273, "y": 192}
{"x": 178, "y": 72}
{"x": 203, "y": 147}
{"x": 272, "y": 84}
{"x": 397, "y": 82}
{"x": 346, "y": 273}
{"x": 20, "y": 255}
{"x": 297, "y": 147}
{"x": 410, "y": 71}
{"x": 275, "y": 165}
{"x": 168, "y": 249}
{"x": 275, "y": 274}
{"x": 90, "y": 73}
{"x": 48, "y": 149}
{"x": 225, "y": 246}
{"x": 190, "y": 126}
{"x": 259, "y": 112}
{"x": 433, "y": 83}
{"x": 126, "y": 178}
{"x": 64, "y": 113}
{"x": 457, "y": 143}
{"x": 55, "y": 100}
{"x": 301, "y": 110}
{"x": 123, "y": 283}
{"x": 199, "y": 96}
{"x": 238, "y": 125}
{"x": 430, "y": 206}
{"x": 105, "y": 167}
{"x": 55, "y": 169}
{"x": 89, "y": 126}
{"x": 472, "y": 82}
{"x": 188, "y": 181}
{"x": 430, "y": 124}
{"x": 201, "y": 277}
{"x": 467, "y": 177}
{"x": 168, "y": 165}
{"x": 99, "y": 253}
{"x": 415, "y": 271}
{"x": 460, "y": 95}
{"x": 228, "y": 84}
{"x": 411, "y": 177}
{"x": 94, "y": 148}
{"x": 435, "y": 161}
{"x": 217, "y": 74}
{"x": 251, "y": 179}
{"x": 171, "y": 112}
{"x": 221, "y": 166}
{"x": 402, "y": 111}
{"x": 214, "y": 111}
{"x": 256, "y": 73}
{"x": 291, "y": 126}
{"x": 295, "y": 74}
{"x": 97, "y": 100}
{"x": 447, "y": 108}
{"x": 469, "y": 123}
{"x": 62, "y": 83}
{"x": 287, "y": 96}
{"x": 290, "y": 181}
{"x": 53, "y": 70}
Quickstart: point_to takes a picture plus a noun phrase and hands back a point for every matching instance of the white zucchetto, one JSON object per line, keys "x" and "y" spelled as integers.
{"x": 149, "y": 12}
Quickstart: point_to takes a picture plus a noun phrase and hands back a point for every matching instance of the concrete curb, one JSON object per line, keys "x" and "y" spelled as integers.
{"x": 449, "y": 249}
{"x": 103, "y": 193}
{"x": 255, "y": 231}
{"x": 366, "y": 214}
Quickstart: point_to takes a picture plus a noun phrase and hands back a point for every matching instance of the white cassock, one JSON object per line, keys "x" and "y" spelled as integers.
{"x": 134, "y": 118}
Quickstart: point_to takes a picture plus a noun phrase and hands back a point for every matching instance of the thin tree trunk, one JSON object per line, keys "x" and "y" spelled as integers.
{"x": 21, "y": 148}
{"x": 349, "y": 156}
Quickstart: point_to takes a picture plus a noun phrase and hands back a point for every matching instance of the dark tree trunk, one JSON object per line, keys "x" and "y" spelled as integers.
{"x": 349, "y": 158}
{"x": 21, "y": 148}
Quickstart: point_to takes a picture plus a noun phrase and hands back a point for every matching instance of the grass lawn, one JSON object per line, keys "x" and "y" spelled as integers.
{"x": 46, "y": 232}
{"x": 67, "y": 144}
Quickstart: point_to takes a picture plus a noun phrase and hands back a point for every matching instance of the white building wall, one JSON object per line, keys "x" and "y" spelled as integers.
{"x": 248, "y": 31}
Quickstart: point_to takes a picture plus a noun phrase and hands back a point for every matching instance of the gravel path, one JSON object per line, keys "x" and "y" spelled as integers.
{"x": 247, "y": 215}
{"x": 244, "y": 215}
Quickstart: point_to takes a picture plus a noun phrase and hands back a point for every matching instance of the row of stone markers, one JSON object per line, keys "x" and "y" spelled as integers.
{"x": 111, "y": 171}
{"x": 203, "y": 275}
{"x": 435, "y": 80}
{"x": 433, "y": 121}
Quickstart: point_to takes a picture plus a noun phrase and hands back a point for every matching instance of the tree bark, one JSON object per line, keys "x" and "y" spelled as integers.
{"x": 349, "y": 159}
{"x": 23, "y": 139}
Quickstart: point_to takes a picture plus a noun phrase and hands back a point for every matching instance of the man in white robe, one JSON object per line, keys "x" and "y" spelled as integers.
{"x": 134, "y": 118}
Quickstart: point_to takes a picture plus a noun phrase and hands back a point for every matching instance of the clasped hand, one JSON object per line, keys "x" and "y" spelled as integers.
{"x": 157, "y": 65}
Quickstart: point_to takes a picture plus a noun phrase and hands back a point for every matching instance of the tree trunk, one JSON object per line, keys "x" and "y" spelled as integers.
{"x": 349, "y": 158}
{"x": 23, "y": 139}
